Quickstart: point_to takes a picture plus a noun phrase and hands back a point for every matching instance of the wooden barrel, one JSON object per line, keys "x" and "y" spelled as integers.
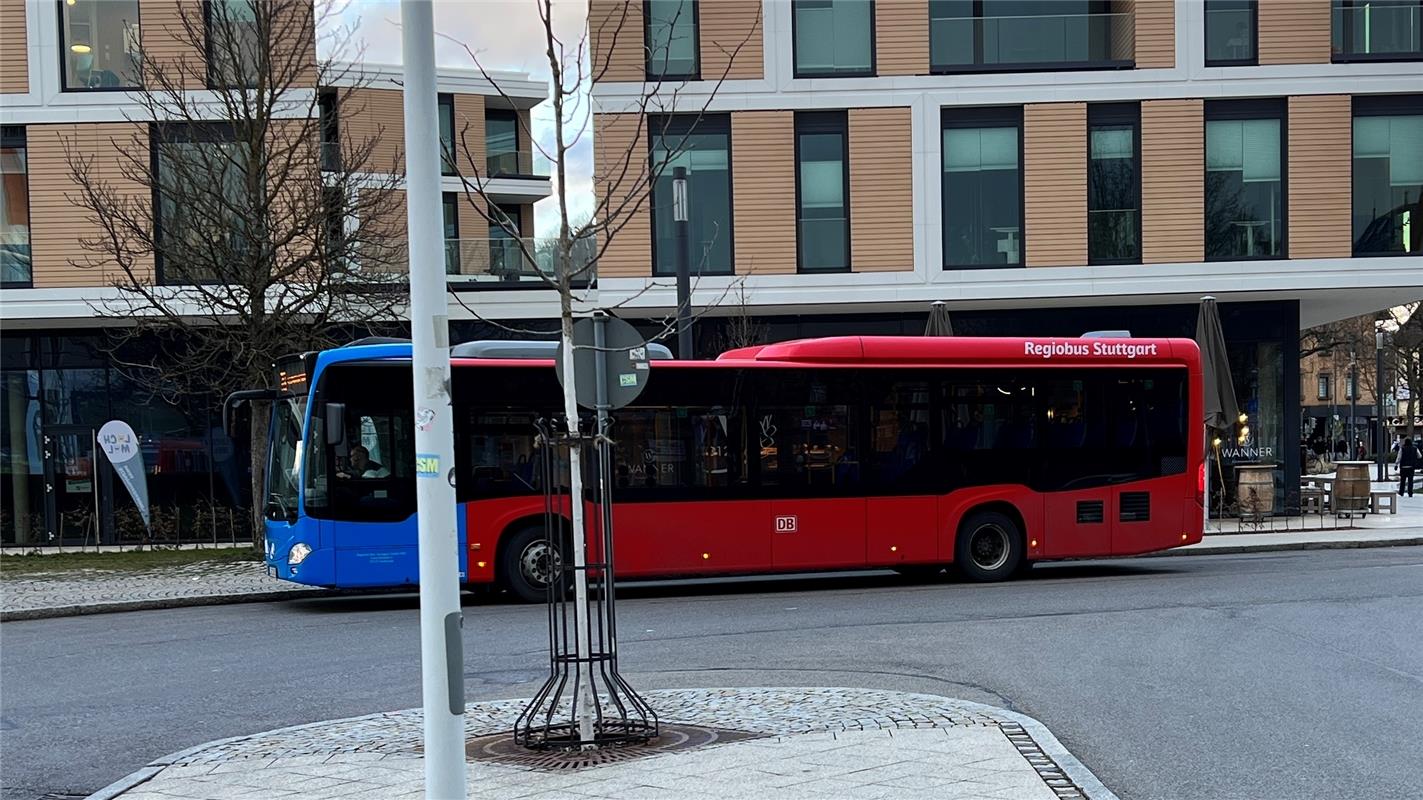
{"x": 1255, "y": 488}
{"x": 1351, "y": 486}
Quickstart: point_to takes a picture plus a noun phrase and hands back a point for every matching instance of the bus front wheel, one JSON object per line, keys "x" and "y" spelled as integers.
{"x": 528, "y": 562}
{"x": 989, "y": 547}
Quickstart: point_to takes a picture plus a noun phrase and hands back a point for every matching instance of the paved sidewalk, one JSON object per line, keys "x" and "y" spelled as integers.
{"x": 807, "y": 743}
{"x": 71, "y": 592}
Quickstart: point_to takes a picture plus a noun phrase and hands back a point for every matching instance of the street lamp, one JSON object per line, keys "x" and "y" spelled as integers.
{"x": 684, "y": 266}
{"x": 1381, "y": 433}
{"x": 1349, "y": 453}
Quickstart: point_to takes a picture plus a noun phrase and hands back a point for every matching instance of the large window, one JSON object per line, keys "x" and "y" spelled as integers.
{"x": 101, "y": 44}
{"x": 205, "y": 213}
{"x": 448, "y": 164}
{"x": 822, "y": 189}
{"x": 1245, "y": 186}
{"x": 235, "y": 45}
{"x": 1322, "y": 390}
{"x": 1378, "y": 30}
{"x": 14, "y": 208}
{"x": 1113, "y": 184}
{"x": 982, "y": 188}
{"x": 1231, "y": 32}
{"x": 672, "y": 39}
{"x": 703, "y": 147}
{"x": 450, "y": 217}
{"x": 1388, "y": 175}
{"x": 327, "y": 108}
{"x": 501, "y": 143}
{"x": 975, "y": 35}
{"x": 834, "y": 38}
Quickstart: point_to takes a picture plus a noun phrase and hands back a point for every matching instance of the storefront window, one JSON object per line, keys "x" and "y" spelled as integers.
{"x": 22, "y": 497}
{"x": 102, "y": 44}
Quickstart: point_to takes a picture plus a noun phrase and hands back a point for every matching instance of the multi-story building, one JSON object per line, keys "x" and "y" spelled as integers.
{"x": 1045, "y": 168}
{"x": 70, "y": 82}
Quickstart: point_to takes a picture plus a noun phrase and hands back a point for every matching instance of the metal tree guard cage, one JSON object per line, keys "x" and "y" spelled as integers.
{"x": 551, "y": 721}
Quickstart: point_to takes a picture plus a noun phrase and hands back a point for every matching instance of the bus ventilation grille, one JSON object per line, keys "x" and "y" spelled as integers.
{"x": 1136, "y": 507}
{"x": 1089, "y": 512}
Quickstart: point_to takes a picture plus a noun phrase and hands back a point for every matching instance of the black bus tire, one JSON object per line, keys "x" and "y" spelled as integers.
{"x": 526, "y": 554}
{"x": 989, "y": 547}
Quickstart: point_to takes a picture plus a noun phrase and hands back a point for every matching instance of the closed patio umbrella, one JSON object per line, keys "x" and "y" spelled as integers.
{"x": 1221, "y": 409}
{"x": 939, "y": 324}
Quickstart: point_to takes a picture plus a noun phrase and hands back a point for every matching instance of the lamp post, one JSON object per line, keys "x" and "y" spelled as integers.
{"x": 1380, "y": 432}
{"x": 684, "y": 263}
{"x": 1349, "y": 454}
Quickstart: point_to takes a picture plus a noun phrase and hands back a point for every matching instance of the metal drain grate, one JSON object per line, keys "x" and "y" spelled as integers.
{"x": 1047, "y": 769}
{"x": 500, "y": 748}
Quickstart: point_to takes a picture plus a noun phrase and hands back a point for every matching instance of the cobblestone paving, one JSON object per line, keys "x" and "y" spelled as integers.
{"x": 766, "y": 711}
{"x": 91, "y": 587}
{"x": 818, "y": 742}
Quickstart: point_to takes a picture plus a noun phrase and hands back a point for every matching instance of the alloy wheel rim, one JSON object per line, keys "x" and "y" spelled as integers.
{"x": 989, "y": 547}
{"x": 538, "y": 563}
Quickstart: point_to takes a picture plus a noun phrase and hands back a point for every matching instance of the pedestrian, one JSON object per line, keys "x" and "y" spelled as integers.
{"x": 1408, "y": 460}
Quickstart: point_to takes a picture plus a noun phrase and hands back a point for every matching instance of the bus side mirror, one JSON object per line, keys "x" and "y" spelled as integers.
{"x": 335, "y": 424}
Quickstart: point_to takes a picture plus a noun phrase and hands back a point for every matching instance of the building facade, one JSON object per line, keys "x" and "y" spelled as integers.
{"x": 71, "y": 84}
{"x": 1044, "y": 168}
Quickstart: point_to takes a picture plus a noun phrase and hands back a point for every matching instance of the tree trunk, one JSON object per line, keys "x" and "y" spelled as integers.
{"x": 261, "y": 422}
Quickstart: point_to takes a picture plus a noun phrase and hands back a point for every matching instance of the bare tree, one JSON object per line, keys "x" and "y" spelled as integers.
{"x": 741, "y": 328}
{"x": 232, "y": 231}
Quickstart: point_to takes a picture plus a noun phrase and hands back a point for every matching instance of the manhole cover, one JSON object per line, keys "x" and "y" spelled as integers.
{"x": 502, "y": 749}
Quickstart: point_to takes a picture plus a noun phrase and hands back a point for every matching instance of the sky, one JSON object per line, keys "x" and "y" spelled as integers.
{"x": 503, "y": 35}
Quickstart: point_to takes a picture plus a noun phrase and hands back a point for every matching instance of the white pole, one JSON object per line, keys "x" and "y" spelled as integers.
{"x": 441, "y": 641}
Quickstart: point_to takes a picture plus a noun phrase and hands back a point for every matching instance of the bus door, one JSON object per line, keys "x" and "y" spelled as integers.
{"x": 809, "y": 464}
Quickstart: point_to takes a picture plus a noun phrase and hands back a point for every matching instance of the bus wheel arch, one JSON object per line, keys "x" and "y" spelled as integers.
{"x": 991, "y": 542}
{"x": 524, "y": 555}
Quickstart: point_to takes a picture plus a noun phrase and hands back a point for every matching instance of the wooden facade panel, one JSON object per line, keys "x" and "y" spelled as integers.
{"x": 616, "y": 35}
{"x": 1172, "y": 181}
{"x": 881, "y": 190}
{"x": 1055, "y": 184}
{"x": 727, "y": 25}
{"x": 14, "y": 48}
{"x": 1155, "y": 29}
{"x": 1123, "y": 26}
{"x": 171, "y": 30}
{"x": 1294, "y": 32}
{"x": 1319, "y": 178}
{"x": 763, "y": 191}
{"x": 59, "y": 225}
{"x": 469, "y": 133}
{"x": 375, "y": 115}
{"x": 902, "y": 37}
{"x": 619, "y": 168}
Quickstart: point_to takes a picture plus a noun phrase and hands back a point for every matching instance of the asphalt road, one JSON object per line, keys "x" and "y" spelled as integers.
{"x": 1289, "y": 675}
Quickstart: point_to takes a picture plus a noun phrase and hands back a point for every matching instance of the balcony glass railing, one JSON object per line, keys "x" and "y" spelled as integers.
{"x": 512, "y": 163}
{"x": 1378, "y": 30}
{"x": 496, "y": 261}
{"x": 1084, "y": 41}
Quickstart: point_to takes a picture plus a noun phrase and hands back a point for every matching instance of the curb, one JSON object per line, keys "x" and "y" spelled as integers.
{"x": 262, "y": 597}
{"x": 1078, "y": 772}
{"x": 1275, "y": 547}
{"x": 11, "y": 615}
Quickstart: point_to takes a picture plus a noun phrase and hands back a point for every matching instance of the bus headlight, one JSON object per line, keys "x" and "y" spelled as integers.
{"x": 298, "y": 553}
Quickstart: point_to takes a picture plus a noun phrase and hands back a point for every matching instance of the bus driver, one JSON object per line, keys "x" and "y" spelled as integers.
{"x": 361, "y": 466}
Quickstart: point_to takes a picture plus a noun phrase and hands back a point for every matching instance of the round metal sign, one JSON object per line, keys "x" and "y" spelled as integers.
{"x": 624, "y": 355}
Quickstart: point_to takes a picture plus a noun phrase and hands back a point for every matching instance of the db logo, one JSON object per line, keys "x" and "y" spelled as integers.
{"x": 785, "y": 524}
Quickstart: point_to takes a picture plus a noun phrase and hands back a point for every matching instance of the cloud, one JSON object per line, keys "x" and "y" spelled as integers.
{"x": 504, "y": 35}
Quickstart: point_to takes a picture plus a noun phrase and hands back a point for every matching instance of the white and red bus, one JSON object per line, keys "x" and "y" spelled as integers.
{"x": 853, "y": 452}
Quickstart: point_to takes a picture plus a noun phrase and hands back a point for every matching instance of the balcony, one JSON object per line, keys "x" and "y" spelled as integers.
{"x": 1379, "y": 30}
{"x": 484, "y": 263}
{"x": 1031, "y": 42}
{"x": 512, "y": 164}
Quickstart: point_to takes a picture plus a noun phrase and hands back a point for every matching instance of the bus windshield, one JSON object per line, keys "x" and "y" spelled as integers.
{"x": 284, "y": 464}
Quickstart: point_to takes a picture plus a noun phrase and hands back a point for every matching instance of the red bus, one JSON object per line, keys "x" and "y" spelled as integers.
{"x": 857, "y": 452}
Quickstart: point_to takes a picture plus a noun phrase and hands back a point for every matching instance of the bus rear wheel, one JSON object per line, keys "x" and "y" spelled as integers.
{"x": 989, "y": 547}
{"x": 528, "y": 562}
